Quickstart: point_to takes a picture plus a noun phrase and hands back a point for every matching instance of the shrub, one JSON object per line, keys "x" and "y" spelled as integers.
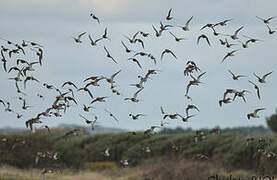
{"x": 272, "y": 122}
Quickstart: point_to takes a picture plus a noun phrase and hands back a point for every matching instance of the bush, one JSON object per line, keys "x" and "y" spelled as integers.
{"x": 272, "y": 122}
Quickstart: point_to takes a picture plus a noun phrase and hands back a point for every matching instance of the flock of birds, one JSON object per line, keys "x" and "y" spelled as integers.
{"x": 16, "y": 54}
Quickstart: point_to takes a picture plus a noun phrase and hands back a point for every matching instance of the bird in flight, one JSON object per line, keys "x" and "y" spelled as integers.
{"x": 255, "y": 113}
{"x": 235, "y": 77}
{"x": 257, "y": 89}
{"x": 204, "y": 37}
{"x": 167, "y": 51}
{"x": 78, "y": 39}
{"x": 262, "y": 79}
{"x": 186, "y": 27}
{"x": 169, "y": 17}
{"x": 266, "y": 21}
{"x": 228, "y": 55}
{"x": 94, "y": 17}
{"x": 111, "y": 115}
{"x": 109, "y": 55}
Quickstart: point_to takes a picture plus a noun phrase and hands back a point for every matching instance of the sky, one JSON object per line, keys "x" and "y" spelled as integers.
{"x": 53, "y": 23}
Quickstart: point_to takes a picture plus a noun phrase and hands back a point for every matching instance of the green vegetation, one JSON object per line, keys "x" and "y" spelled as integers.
{"x": 87, "y": 151}
{"x": 272, "y": 122}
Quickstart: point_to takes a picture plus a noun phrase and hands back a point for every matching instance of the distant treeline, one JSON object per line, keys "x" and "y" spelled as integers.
{"x": 244, "y": 131}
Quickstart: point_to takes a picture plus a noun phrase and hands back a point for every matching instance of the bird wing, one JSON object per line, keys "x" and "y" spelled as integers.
{"x": 224, "y": 58}
{"x": 187, "y": 23}
{"x": 207, "y": 40}
{"x": 173, "y": 54}
{"x": 162, "y": 110}
{"x": 90, "y": 38}
{"x": 112, "y": 77}
{"x": 260, "y": 18}
{"x": 258, "y": 93}
{"x": 257, "y": 110}
{"x": 256, "y": 75}
{"x": 237, "y": 31}
{"x": 252, "y": 83}
{"x": 136, "y": 94}
{"x": 124, "y": 44}
{"x": 80, "y": 35}
{"x": 231, "y": 72}
{"x": 169, "y": 12}
{"x": 138, "y": 63}
{"x": 264, "y": 76}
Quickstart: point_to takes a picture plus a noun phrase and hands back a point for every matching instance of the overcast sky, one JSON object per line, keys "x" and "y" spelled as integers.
{"x": 52, "y": 23}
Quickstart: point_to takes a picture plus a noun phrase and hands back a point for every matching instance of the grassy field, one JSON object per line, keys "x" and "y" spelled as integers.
{"x": 161, "y": 168}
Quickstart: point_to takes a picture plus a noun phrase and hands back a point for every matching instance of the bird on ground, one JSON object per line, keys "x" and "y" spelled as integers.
{"x": 262, "y": 79}
{"x": 254, "y": 114}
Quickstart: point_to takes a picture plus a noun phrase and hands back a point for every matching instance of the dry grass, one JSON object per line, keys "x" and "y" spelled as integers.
{"x": 162, "y": 168}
